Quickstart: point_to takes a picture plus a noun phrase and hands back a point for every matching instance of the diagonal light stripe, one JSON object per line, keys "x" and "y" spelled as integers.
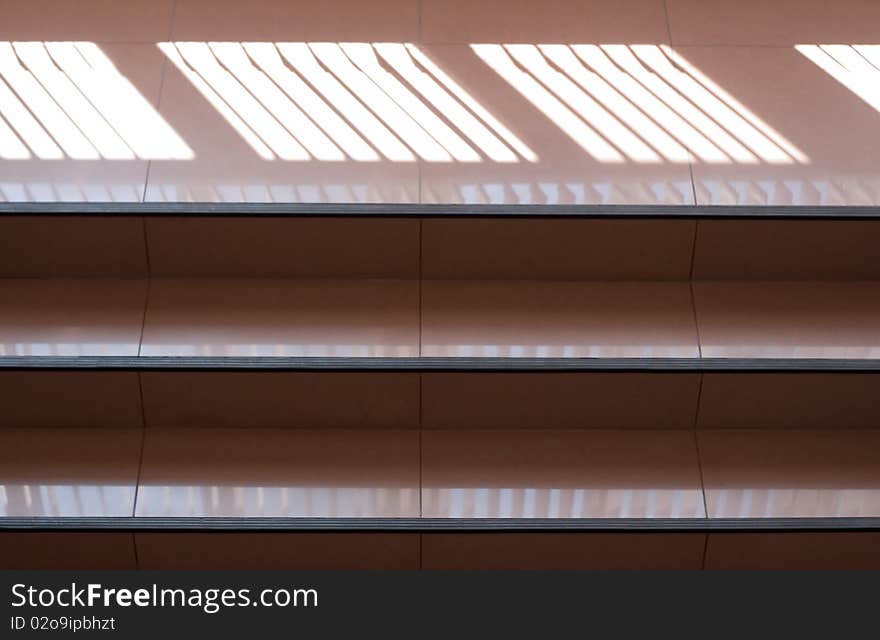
{"x": 498, "y": 59}
{"x": 199, "y": 56}
{"x": 228, "y": 114}
{"x": 234, "y": 58}
{"x": 81, "y": 111}
{"x": 303, "y": 60}
{"x": 269, "y": 60}
{"x": 723, "y": 112}
{"x": 44, "y": 108}
{"x": 518, "y": 145}
{"x": 363, "y": 56}
{"x": 331, "y": 55}
{"x": 660, "y": 112}
{"x": 531, "y": 58}
{"x": 399, "y": 58}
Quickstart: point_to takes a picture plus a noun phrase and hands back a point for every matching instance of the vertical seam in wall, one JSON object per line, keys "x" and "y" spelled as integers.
{"x": 697, "y": 447}
{"x": 696, "y": 319}
{"x": 699, "y": 399}
{"x": 174, "y": 15}
{"x": 691, "y": 173}
{"x": 421, "y": 222}
{"x": 420, "y": 383}
{"x": 137, "y": 561}
{"x": 690, "y": 155}
{"x": 700, "y": 469}
{"x": 419, "y": 160}
{"x": 144, "y": 315}
{"x": 693, "y": 294}
{"x": 159, "y": 97}
{"x": 146, "y": 247}
{"x": 700, "y": 354}
{"x": 137, "y": 486}
{"x": 421, "y": 403}
{"x": 668, "y": 25}
{"x": 147, "y": 175}
{"x": 146, "y": 293}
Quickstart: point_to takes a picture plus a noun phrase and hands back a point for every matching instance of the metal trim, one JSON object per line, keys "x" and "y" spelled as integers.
{"x": 428, "y": 525}
{"x": 426, "y": 364}
{"x": 402, "y": 210}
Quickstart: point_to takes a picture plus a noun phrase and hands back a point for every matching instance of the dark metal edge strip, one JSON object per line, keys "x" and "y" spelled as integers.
{"x": 424, "y": 364}
{"x": 401, "y": 210}
{"x": 427, "y": 525}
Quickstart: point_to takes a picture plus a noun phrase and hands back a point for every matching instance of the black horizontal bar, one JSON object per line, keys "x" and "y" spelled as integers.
{"x": 402, "y": 210}
{"x": 426, "y": 525}
{"x": 426, "y": 364}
